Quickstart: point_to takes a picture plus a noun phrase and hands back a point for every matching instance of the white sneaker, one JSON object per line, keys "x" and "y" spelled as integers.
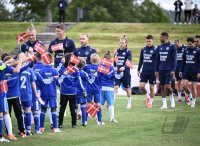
{"x": 38, "y": 132}
{"x": 173, "y": 105}
{"x": 175, "y": 23}
{"x": 128, "y": 106}
{"x": 163, "y": 107}
{"x": 180, "y": 23}
{"x": 189, "y": 103}
{"x": 2, "y": 139}
{"x": 100, "y": 123}
{"x": 114, "y": 121}
{"x": 192, "y": 105}
{"x": 56, "y": 130}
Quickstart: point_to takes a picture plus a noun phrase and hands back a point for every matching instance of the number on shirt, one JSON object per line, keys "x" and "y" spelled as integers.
{"x": 23, "y": 84}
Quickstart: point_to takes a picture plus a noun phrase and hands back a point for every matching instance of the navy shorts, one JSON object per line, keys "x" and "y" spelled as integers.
{"x": 80, "y": 99}
{"x": 95, "y": 94}
{"x": 125, "y": 81}
{"x": 50, "y": 103}
{"x": 178, "y": 78}
{"x": 190, "y": 76}
{"x": 165, "y": 78}
{"x": 26, "y": 104}
{"x": 145, "y": 77}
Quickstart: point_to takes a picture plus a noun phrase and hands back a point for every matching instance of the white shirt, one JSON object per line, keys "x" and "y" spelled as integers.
{"x": 188, "y": 4}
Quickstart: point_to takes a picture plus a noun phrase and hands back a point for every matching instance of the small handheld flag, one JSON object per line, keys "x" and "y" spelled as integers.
{"x": 106, "y": 62}
{"x": 39, "y": 48}
{"x": 129, "y": 64}
{"x": 57, "y": 47}
{"x": 92, "y": 109}
{"x": 74, "y": 59}
{"x": 103, "y": 69}
{"x": 4, "y": 86}
{"x": 21, "y": 37}
{"x": 46, "y": 58}
{"x": 71, "y": 69}
{"x": 30, "y": 56}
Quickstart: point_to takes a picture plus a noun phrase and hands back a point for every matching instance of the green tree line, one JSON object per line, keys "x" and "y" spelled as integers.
{"x": 93, "y": 11}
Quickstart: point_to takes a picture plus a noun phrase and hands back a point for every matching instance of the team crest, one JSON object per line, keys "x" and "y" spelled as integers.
{"x": 151, "y": 51}
{"x": 167, "y": 48}
{"x": 86, "y": 53}
{"x": 123, "y": 53}
{"x": 160, "y": 48}
{"x": 194, "y": 52}
{"x": 144, "y": 51}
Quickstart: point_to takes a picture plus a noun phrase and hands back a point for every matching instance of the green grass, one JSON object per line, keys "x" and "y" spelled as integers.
{"x": 139, "y": 127}
{"x": 104, "y": 36}
{"x": 10, "y": 30}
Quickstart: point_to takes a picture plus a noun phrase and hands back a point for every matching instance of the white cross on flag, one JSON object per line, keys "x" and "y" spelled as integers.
{"x": 71, "y": 69}
{"x": 46, "y": 58}
{"x": 39, "y": 48}
{"x": 106, "y": 62}
{"x": 21, "y": 37}
{"x": 74, "y": 59}
{"x": 4, "y": 86}
{"x": 57, "y": 47}
{"x": 129, "y": 64}
{"x": 103, "y": 69}
{"x": 92, "y": 109}
{"x": 30, "y": 56}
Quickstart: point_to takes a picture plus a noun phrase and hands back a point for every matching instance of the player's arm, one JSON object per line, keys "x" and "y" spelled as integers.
{"x": 49, "y": 48}
{"x": 35, "y": 92}
{"x": 22, "y": 58}
{"x": 157, "y": 62}
{"x": 140, "y": 62}
{"x": 182, "y": 64}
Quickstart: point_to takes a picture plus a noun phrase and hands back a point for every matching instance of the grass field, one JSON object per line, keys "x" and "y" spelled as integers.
{"x": 104, "y": 36}
{"x": 136, "y": 127}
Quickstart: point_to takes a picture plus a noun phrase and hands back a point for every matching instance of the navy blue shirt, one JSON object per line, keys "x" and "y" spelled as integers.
{"x": 123, "y": 55}
{"x": 147, "y": 59}
{"x": 25, "y": 46}
{"x": 85, "y": 52}
{"x": 62, "y": 4}
{"x": 191, "y": 60}
{"x": 68, "y": 45}
{"x": 166, "y": 58}
{"x": 180, "y": 52}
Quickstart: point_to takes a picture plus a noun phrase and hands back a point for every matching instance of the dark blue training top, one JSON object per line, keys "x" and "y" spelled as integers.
{"x": 147, "y": 59}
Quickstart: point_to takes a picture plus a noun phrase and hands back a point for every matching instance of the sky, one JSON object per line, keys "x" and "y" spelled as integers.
{"x": 166, "y": 4}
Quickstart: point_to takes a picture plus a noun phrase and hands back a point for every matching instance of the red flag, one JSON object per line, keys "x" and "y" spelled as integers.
{"x": 21, "y": 37}
{"x": 39, "y": 48}
{"x": 30, "y": 56}
{"x": 71, "y": 69}
{"x": 105, "y": 61}
{"x": 92, "y": 109}
{"x": 46, "y": 58}
{"x": 4, "y": 86}
{"x": 57, "y": 47}
{"x": 74, "y": 59}
{"x": 129, "y": 64}
{"x": 103, "y": 69}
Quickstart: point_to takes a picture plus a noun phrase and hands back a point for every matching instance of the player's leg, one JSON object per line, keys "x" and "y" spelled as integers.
{"x": 110, "y": 101}
{"x": 194, "y": 93}
{"x": 42, "y": 114}
{"x": 72, "y": 106}
{"x": 97, "y": 96}
{"x": 83, "y": 111}
{"x": 27, "y": 118}
{"x": 187, "y": 90}
{"x": 163, "y": 90}
{"x": 2, "y": 139}
{"x": 36, "y": 115}
{"x": 63, "y": 103}
{"x": 126, "y": 81}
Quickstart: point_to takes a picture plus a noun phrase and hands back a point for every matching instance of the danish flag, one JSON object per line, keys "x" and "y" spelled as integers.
{"x": 46, "y": 58}
{"x": 39, "y": 48}
{"x": 30, "y": 56}
{"x": 74, "y": 59}
{"x": 71, "y": 69}
{"x": 103, "y": 69}
{"x": 106, "y": 62}
{"x": 57, "y": 47}
{"x": 21, "y": 37}
{"x": 92, "y": 109}
{"x": 129, "y": 64}
{"x": 4, "y": 86}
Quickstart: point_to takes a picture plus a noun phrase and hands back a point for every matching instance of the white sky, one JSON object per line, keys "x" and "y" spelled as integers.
{"x": 166, "y": 4}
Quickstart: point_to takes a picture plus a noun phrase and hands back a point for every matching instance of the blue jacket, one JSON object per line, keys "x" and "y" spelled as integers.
{"x": 180, "y": 52}
{"x": 108, "y": 80}
{"x": 123, "y": 55}
{"x": 166, "y": 58}
{"x": 62, "y": 4}
{"x": 25, "y": 46}
{"x": 147, "y": 60}
{"x": 85, "y": 52}
{"x": 191, "y": 60}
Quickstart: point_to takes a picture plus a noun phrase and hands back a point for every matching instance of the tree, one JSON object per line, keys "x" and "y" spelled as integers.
{"x": 40, "y": 8}
{"x": 4, "y": 13}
